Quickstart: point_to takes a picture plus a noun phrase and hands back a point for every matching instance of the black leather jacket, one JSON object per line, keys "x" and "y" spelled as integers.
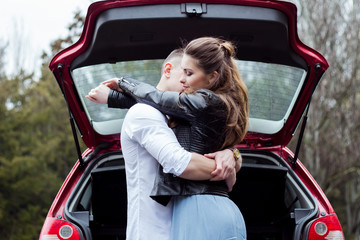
{"x": 202, "y": 118}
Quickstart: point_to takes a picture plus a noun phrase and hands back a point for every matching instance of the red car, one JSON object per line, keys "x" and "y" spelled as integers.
{"x": 278, "y": 197}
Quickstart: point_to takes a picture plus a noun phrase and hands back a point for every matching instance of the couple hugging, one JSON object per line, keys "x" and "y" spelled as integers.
{"x": 178, "y": 147}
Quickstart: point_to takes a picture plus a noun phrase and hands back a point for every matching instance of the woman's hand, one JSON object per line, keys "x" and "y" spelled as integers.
{"x": 99, "y": 94}
{"x": 113, "y": 84}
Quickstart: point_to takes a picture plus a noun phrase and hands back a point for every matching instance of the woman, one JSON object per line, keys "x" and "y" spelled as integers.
{"x": 213, "y": 117}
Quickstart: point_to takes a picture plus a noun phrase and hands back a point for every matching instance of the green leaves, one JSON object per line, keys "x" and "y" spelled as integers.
{"x": 36, "y": 150}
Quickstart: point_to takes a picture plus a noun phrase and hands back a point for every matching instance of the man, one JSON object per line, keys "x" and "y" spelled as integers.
{"x": 147, "y": 141}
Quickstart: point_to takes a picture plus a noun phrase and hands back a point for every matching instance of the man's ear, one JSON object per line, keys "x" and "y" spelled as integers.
{"x": 212, "y": 77}
{"x": 167, "y": 69}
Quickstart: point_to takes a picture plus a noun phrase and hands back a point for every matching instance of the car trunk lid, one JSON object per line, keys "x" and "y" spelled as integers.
{"x": 132, "y": 37}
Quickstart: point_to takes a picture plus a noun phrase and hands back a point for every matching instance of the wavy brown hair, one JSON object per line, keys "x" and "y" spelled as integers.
{"x": 214, "y": 54}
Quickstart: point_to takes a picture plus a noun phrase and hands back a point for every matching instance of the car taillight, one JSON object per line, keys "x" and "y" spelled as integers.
{"x": 55, "y": 229}
{"x": 328, "y": 228}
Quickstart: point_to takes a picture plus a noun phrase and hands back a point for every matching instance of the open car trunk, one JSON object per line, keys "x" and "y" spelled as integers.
{"x": 131, "y": 38}
{"x": 275, "y": 205}
{"x": 127, "y": 38}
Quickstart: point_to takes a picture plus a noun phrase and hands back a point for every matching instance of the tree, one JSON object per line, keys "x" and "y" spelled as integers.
{"x": 36, "y": 148}
{"x": 2, "y": 55}
{"x": 330, "y": 150}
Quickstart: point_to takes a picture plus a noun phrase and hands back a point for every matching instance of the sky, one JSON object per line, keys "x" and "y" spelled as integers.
{"x": 35, "y": 23}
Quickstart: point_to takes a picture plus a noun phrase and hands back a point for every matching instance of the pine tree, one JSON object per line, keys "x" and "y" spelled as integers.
{"x": 36, "y": 145}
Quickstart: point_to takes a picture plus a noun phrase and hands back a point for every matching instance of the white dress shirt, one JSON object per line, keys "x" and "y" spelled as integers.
{"x": 146, "y": 141}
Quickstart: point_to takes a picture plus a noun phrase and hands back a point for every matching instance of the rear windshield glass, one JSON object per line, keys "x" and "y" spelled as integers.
{"x": 273, "y": 90}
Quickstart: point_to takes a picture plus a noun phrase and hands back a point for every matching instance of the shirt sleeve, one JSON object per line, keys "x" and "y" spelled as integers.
{"x": 148, "y": 127}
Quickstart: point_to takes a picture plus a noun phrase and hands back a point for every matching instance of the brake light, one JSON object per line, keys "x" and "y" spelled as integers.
{"x": 55, "y": 229}
{"x": 328, "y": 228}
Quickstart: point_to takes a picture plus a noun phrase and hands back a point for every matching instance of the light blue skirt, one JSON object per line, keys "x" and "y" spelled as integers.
{"x": 206, "y": 217}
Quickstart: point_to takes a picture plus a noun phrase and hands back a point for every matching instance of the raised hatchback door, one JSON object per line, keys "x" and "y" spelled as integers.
{"x": 132, "y": 38}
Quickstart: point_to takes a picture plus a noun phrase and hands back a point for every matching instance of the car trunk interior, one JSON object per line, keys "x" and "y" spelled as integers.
{"x": 271, "y": 200}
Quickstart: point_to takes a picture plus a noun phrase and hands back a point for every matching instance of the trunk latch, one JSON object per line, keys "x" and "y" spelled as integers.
{"x": 193, "y": 9}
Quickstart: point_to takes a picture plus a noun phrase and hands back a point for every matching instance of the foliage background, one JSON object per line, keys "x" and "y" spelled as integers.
{"x": 37, "y": 149}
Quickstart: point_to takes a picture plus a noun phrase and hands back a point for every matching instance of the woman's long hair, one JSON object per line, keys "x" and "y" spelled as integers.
{"x": 214, "y": 54}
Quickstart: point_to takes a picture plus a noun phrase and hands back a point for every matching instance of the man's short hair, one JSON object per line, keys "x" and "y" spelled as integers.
{"x": 177, "y": 53}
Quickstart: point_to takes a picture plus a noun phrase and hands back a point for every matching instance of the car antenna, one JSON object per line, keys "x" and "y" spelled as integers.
{"x": 71, "y": 117}
{"x": 303, "y": 125}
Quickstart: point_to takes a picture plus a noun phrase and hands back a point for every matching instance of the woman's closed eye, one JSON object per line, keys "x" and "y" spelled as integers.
{"x": 188, "y": 73}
